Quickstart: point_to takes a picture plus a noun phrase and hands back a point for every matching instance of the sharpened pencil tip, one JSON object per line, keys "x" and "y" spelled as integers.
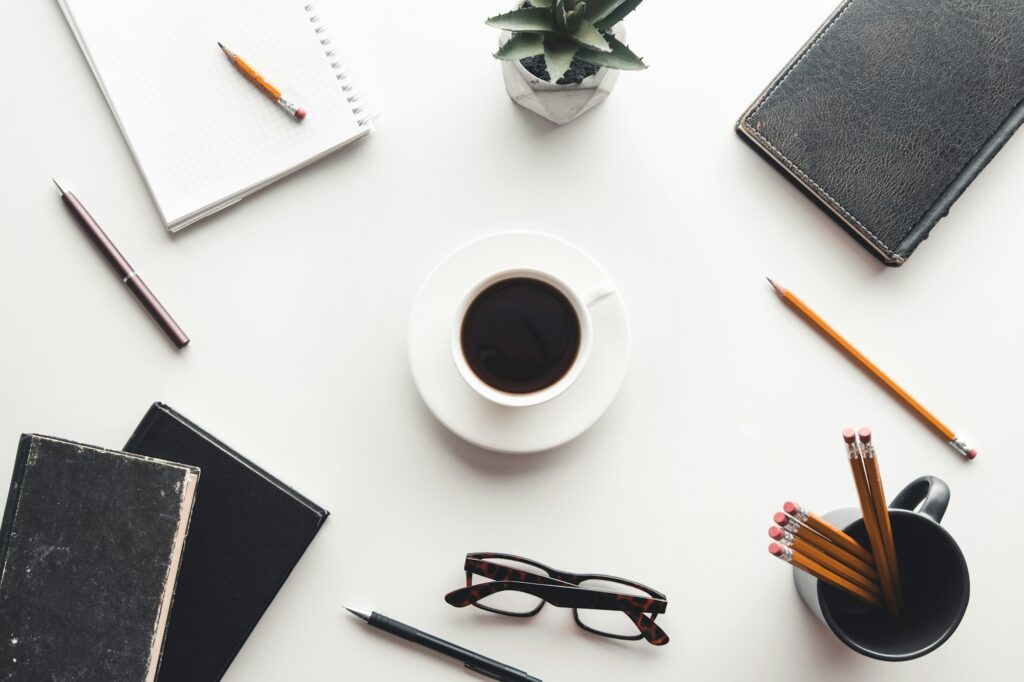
{"x": 779, "y": 289}
{"x": 220, "y": 45}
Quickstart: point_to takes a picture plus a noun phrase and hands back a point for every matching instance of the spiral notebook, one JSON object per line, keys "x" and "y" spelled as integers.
{"x": 202, "y": 135}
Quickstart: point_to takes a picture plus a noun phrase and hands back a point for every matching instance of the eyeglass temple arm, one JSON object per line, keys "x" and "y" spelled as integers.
{"x": 567, "y": 596}
{"x": 495, "y": 571}
{"x": 651, "y": 631}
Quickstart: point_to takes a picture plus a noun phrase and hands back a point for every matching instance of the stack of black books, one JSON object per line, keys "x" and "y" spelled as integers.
{"x": 154, "y": 563}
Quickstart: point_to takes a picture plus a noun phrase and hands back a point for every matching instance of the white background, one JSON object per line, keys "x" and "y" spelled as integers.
{"x": 297, "y": 301}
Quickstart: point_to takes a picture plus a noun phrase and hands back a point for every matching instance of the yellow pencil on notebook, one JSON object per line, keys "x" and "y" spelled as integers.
{"x": 263, "y": 84}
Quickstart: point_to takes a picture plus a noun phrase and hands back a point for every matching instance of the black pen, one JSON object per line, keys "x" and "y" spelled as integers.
{"x": 475, "y": 662}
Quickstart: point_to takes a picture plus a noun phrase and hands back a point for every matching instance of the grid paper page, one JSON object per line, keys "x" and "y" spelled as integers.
{"x": 201, "y": 133}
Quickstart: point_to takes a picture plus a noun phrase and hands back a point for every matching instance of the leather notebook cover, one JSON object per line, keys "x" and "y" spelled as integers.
{"x": 89, "y": 553}
{"x": 248, "y": 532}
{"x": 891, "y": 110}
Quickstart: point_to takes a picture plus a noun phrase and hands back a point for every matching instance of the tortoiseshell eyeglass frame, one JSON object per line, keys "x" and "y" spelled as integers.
{"x": 561, "y": 588}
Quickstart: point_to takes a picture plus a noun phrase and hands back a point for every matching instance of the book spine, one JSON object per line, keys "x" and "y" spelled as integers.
{"x": 13, "y": 497}
{"x": 940, "y": 209}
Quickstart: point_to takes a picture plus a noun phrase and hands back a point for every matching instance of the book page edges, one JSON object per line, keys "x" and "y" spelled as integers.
{"x": 189, "y": 481}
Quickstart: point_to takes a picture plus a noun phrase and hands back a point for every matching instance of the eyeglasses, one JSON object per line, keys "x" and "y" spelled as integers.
{"x": 604, "y": 605}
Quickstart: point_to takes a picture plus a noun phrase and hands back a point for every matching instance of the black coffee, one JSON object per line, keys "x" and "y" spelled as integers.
{"x": 520, "y": 335}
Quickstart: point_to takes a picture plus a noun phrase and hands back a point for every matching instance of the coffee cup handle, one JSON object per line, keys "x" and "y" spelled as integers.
{"x": 598, "y": 293}
{"x": 927, "y": 495}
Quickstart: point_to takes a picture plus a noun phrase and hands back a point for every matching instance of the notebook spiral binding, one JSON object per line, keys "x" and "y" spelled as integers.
{"x": 341, "y": 71}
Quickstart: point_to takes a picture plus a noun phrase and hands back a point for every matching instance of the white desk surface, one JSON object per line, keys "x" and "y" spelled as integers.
{"x": 297, "y": 301}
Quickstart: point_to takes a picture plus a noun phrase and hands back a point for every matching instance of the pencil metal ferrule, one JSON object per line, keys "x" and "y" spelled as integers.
{"x": 852, "y": 450}
{"x": 960, "y": 446}
{"x": 792, "y": 527}
{"x": 787, "y": 539}
{"x": 868, "y": 450}
{"x": 290, "y": 107}
{"x": 787, "y": 555}
{"x": 800, "y": 513}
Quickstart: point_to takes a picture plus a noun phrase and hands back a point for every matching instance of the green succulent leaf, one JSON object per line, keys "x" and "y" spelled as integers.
{"x": 521, "y": 46}
{"x": 621, "y": 57}
{"x": 588, "y": 36}
{"x": 574, "y": 17}
{"x": 541, "y": 3}
{"x": 561, "y": 20}
{"x": 599, "y": 9}
{"x": 617, "y": 14}
{"x": 558, "y": 54}
{"x": 527, "y": 19}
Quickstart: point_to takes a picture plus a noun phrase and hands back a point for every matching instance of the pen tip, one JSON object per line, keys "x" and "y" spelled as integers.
{"x": 360, "y": 613}
{"x": 59, "y": 188}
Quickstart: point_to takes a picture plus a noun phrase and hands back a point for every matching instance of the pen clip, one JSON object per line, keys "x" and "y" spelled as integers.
{"x": 485, "y": 673}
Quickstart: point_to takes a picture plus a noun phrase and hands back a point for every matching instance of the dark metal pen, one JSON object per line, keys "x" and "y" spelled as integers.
{"x": 475, "y": 662}
{"x": 125, "y": 271}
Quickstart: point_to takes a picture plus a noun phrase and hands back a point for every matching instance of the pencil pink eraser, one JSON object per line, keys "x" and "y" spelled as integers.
{"x": 865, "y": 435}
{"x": 776, "y": 549}
{"x": 791, "y": 508}
{"x": 775, "y": 533}
{"x": 781, "y": 519}
{"x": 300, "y": 114}
{"x": 849, "y": 435}
{"x": 972, "y": 453}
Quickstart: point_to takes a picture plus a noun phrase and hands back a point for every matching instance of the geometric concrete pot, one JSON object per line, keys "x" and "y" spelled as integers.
{"x": 558, "y": 103}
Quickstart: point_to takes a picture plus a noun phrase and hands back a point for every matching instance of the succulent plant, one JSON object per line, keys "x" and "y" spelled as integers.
{"x": 563, "y": 30}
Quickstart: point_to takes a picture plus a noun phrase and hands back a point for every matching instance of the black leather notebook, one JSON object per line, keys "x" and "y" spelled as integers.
{"x": 248, "y": 532}
{"x": 89, "y": 554}
{"x": 892, "y": 109}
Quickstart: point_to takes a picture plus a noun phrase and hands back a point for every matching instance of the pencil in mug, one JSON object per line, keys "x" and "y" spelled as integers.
{"x": 815, "y": 554}
{"x": 951, "y": 437}
{"x": 826, "y": 529}
{"x": 871, "y": 527}
{"x": 874, "y": 478}
{"x": 791, "y": 525}
{"x": 821, "y": 573}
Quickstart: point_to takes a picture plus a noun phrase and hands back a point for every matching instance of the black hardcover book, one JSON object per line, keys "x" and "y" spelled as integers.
{"x": 248, "y": 532}
{"x": 892, "y": 109}
{"x": 89, "y": 554}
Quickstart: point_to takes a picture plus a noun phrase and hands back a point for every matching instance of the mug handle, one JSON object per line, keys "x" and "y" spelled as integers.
{"x": 598, "y": 293}
{"x": 927, "y": 495}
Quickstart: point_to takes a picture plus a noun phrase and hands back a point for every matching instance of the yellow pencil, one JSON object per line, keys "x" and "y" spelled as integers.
{"x": 868, "y": 509}
{"x": 874, "y": 479}
{"x": 958, "y": 444}
{"x": 263, "y": 84}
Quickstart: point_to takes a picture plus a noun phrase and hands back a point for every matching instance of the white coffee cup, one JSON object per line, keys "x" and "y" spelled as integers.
{"x": 581, "y": 304}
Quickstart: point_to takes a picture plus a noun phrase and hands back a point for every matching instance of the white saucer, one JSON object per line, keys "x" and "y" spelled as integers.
{"x": 470, "y": 415}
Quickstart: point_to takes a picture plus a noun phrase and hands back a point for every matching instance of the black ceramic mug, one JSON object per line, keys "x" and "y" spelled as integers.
{"x": 936, "y": 584}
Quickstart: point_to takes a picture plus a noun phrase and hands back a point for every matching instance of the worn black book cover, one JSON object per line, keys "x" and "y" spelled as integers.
{"x": 892, "y": 109}
{"x": 248, "y": 532}
{"x": 89, "y": 554}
